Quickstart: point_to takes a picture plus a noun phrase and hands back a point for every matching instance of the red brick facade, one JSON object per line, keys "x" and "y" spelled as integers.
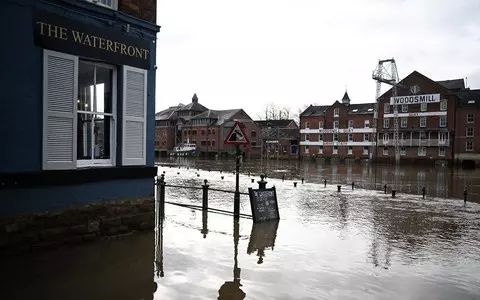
{"x": 467, "y": 131}
{"x": 143, "y": 9}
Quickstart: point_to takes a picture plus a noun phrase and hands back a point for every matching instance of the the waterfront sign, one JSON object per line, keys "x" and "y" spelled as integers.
{"x": 264, "y": 204}
{"x": 415, "y": 99}
{"x": 62, "y": 34}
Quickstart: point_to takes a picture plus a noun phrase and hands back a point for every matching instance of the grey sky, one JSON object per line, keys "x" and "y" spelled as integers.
{"x": 246, "y": 54}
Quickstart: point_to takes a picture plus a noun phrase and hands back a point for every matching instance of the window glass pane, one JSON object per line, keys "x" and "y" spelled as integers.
{"x": 102, "y": 137}
{"x": 86, "y": 81}
{"x": 103, "y": 82}
{"x": 84, "y": 136}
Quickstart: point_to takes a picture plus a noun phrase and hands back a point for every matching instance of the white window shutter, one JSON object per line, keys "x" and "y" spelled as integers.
{"x": 134, "y": 116}
{"x": 59, "y": 110}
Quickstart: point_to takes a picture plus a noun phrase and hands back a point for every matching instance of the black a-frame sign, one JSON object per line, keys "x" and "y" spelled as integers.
{"x": 237, "y": 136}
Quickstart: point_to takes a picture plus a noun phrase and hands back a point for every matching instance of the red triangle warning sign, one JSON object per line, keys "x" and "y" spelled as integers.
{"x": 237, "y": 136}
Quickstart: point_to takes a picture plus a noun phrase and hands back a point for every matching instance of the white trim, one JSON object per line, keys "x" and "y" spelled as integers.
{"x": 142, "y": 160}
{"x": 342, "y": 130}
{"x": 321, "y": 143}
{"x": 45, "y": 163}
{"x": 114, "y": 4}
{"x": 418, "y": 114}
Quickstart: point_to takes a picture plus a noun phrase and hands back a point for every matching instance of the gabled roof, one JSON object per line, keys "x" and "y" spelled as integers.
{"x": 453, "y": 84}
{"x": 274, "y": 123}
{"x": 194, "y": 106}
{"x": 352, "y": 109}
{"x": 469, "y": 98}
{"x": 280, "y": 133}
{"x": 219, "y": 115}
{"x": 169, "y": 113}
{"x": 360, "y": 108}
{"x": 317, "y": 110}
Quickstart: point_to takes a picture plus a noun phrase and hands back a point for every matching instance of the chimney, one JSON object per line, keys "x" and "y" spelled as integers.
{"x": 194, "y": 98}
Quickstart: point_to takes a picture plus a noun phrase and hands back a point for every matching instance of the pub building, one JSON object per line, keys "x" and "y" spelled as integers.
{"x": 78, "y": 103}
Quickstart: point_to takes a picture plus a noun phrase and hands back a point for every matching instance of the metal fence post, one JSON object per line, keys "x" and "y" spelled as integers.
{"x": 161, "y": 196}
{"x": 205, "y": 195}
{"x": 262, "y": 184}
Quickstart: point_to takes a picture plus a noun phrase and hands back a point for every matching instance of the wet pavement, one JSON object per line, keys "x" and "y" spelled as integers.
{"x": 359, "y": 244}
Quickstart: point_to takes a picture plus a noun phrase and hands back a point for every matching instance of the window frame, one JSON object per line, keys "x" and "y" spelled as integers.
{"x": 440, "y": 152}
{"x": 444, "y": 119}
{"x": 307, "y": 124}
{"x": 469, "y": 149}
{"x": 443, "y": 104}
{"x": 385, "y": 151}
{"x": 467, "y": 133}
{"x": 420, "y": 121}
{"x": 386, "y": 108}
{"x": 386, "y": 123}
{"x": 320, "y": 125}
{"x": 404, "y": 108}
{"x": 82, "y": 163}
{"x": 424, "y": 106}
{"x": 403, "y": 150}
{"x": 365, "y": 123}
{"x": 336, "y": 124}
{"x": 350, "y": 123}
{"x": 336, "y": 112}
{"x": 424, "y": 153}
{"x": 468, "y": 118}
{"x": 114, "y": 5}
{"x": 402, "y": 125}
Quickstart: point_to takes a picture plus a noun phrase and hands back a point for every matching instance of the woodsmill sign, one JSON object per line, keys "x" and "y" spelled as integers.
{"x": 64, "y": 35}
{"x": 416, "y": 99}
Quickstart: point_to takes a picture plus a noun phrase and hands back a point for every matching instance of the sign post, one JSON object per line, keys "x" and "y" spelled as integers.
{"x": 237, "y": 137}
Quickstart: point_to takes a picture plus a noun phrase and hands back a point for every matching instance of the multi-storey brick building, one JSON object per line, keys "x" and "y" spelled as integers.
{"x": 467, "y": 129}
{"x": 426, "y": 120}
{"x": 279, "y": 138}
{"x": 341, "y": 130}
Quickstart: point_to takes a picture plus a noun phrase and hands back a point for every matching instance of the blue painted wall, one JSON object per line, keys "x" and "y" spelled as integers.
{"x": 21, "y": 104}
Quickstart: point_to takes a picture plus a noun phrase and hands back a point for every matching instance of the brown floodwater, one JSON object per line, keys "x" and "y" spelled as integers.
{"x": 359, "y": 244}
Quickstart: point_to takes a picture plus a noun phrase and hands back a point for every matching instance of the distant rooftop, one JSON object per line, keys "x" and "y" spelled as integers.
{"x": 453, "y": 84}
{"x": 274, "y": 123}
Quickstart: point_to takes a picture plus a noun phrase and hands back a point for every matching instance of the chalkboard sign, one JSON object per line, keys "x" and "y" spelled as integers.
{"x": 264, "y": 204}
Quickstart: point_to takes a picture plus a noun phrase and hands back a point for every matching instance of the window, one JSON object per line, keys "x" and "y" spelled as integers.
{"x": 306, "y": 149}
{"x": 203, "y": 143}
{"x": 366, "y": 124}
{"x": 209, "y": 131}
{"x": 336, "y": 111}
{"x": 470, "y": 132}
{"x": 107, "y": 3}
{"x": 213, "y": 143}
{"x": 335, "y": 137}
{"x": 350, "y": 137}
{"x": 442, "y": 138}
{"x": 403, "y": 122}
{"x": 350, "y": 124}
{"x": 365, "y": 150}
{"x": 254, "y": 133}
{"x": 386, "y": 123}
{"x": 365, "y": 137}
{"x": 422, "y": 151}
{"x": 320, "y": 125}
{"x": 335, "y": 124}
{"x": 404, "y": 108}
{"x": 385, "y": 151}
{"x": 422, "y": 136}
{"x": 470, "y": 118}
{"x": 213, "y": 131}
{"x": 320, "y": 137}
{"x": 350, "y": 150}
{"x": 403, "y": 136}
{"x": 335, "y": 149}
{"x": 441, "y": 151}
{"x": 307, "y": 137}
{"x": 385, "y": 137}
{"x": 423, "y": 122}
{"x": 443, "y": 105}
{"x": 203, "y": 132}
{"x": 423, "y": 107}
{"x": 469, "y": 146}
{"x": 307, "y": 125}
{"x": 320, "y": 150}
{"x": 386, "y": 108}
{"x": 443, "y": 122}
{"x": 403, "y": 151}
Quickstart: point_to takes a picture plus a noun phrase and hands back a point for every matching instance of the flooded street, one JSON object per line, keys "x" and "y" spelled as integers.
{"x": 359, "y": 244}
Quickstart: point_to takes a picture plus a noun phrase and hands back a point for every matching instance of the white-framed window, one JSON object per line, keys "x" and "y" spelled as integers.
{"x": 423, "y": 122}
{"x": 350, "y": 150}
{"x": 336, "y": 112}
{"x": 441, "y": 151}
{"x": 469, "y": 146}
{"x": 386, "y": 123}
{"x": 335, "y": 137}
{"x": 307, "y": 137}
{"x": 470, "y": 132}
{"x": 366, "y": 124}
{"x": 306, "y": 149}
{"x": 385, "y": 150}
{"x": 320, "y": 150}
{"x": 403, "y": 122}
{"x": 386, "y": 108}
{"x": 320, "y": 137}
{"x": 350, "y": 137}
{"x": 113, "y": 4}
{"x": 470, "y": 118}
{"x": 422, "y": 151}
{"x": 365, "y": 150}
{"x": 335, "y": 149}
{"x": 423, "y": 136}
{"x": 350, "y": 124}
{"x": 403, "y": 151}
{"x": 443, "y": 122}
{"x": 442, "y": 138}
{"x": 335, "y": 124}
{"x": 307, "y": 125}
{"x": 366, "y": 137}
{"x": 423, "y": 106}
{"x": 404, "y": 108}
{"x": 386, "y": 137}
{"x": 403, "y": 136}
{"x": 443, "y": 104}
{"x": 320, "y": 125}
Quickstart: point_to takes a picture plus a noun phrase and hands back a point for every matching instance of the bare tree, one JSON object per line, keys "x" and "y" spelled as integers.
{"x": 276, "y": 112}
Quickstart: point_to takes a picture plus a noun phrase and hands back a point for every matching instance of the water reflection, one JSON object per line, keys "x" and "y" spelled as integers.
{"x": 159, "y": 249}
{"x": 263, "y": 236}
{"x": 231, "y": 290}
{"x": 204, "y": 230}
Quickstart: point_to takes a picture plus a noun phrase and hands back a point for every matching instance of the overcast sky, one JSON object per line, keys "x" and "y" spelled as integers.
{"x": 248, "y": 53}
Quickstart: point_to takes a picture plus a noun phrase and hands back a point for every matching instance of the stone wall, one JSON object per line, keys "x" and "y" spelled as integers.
{"x": 75, "y": 225}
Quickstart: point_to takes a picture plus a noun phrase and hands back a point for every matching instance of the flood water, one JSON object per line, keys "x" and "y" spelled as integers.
{"x": 359, "y": 244}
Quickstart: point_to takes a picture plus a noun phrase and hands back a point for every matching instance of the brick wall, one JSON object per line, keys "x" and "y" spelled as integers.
{"x": 143, "y": 9}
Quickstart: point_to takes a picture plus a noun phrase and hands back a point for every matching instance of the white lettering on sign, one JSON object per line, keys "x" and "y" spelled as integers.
{"x": 416, "y": 99}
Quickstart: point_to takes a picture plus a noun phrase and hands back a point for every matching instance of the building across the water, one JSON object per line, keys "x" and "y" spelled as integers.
{"x": 279, "y": 138}
{"x": 467, "y": 129}
{"x": 79, "y": 103}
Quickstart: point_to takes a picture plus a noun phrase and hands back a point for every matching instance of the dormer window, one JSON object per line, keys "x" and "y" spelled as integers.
{"x": 113, "y": 4}
{"x": 336, "y": 112}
